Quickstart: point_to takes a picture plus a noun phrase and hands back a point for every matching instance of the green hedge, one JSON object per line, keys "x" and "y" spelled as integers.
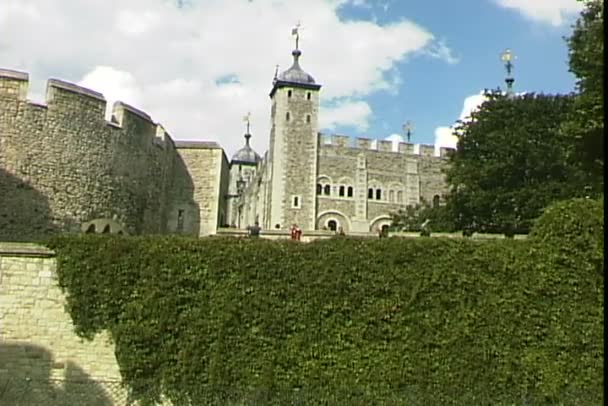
{"x": 341, "y": 321}
{"x": 575, "y": 229}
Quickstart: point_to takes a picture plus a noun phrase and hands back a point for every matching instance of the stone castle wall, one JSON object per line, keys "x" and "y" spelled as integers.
{"x": 62, "y": 164}
{"x": 201, "y": 192}
{"x": 395, "y": 177}
{"x": 42, "y": 360}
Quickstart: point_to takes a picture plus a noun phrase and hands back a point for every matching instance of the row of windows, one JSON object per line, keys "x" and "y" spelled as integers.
{"x": 372, "y": 194}
{"x": 343, "y": 191}
{"x": 288, "y": 117}
{"x": 308, "y": 94}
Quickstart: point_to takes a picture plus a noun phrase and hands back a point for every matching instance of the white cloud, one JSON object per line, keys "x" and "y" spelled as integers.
{"x": 441, "y": 51}
{"x": 554, "y": 12}
{"x": 169, "y": 61}
{"x": 116, "y": 85}
{"x": 355, "y": 113}
{"x": 444, "y": 136}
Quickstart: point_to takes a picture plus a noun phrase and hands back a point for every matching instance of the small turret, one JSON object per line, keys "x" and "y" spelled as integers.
{"x": 246, "y": 155}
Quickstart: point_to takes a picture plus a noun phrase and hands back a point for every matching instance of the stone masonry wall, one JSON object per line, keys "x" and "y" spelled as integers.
{"x": 200, "y": 188}
{"x": 404, "y": 177}
{"x": 62, "y": 164}
{"x": 42, "y": 360}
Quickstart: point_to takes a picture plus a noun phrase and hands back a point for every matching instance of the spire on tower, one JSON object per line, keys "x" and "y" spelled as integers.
{"x": 247, "y": 120}
{"x": 507, "y": 58}
{"x": 295, "y": 31}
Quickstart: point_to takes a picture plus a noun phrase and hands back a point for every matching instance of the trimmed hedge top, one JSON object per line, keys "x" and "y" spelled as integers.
{"x": 342, "y": 321}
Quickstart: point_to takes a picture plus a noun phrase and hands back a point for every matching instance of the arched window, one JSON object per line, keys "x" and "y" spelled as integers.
{"x": 391, "y": 196}
{"x": 332, "y": 225}
{"x": 436, "y": 201}
{"x": 319, "y": 188}
{"x": 400, "y": 196}
{"x": 378, "y": 194}
{"x": 341, "y": 191}
{"x": 349, "y": 191}
{"x": 287, "y": 116}
{"x": 327, "y": 190}
{"x": 370, "y": 193}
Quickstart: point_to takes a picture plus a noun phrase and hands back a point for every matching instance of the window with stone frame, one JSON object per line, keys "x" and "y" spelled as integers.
{"x": 349, "y": 191}
{"x": 296, "y": 202}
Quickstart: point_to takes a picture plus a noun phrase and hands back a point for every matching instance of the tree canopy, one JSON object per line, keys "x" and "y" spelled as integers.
{"x": 586, "y": 121}
{"x": 512, "y": 160}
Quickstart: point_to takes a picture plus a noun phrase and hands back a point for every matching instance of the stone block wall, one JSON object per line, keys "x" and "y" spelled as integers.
{"x": 42, "y": 360}
{"x": 402, "y": 176}
{"x": 200, "y": 189}
{"x": 62, "y": 163}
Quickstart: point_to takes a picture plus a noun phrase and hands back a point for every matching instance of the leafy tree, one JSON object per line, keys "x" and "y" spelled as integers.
{"x": 412, "y": 217}
{"x": 511, "y": 161}
{"x": 586, "y": 123}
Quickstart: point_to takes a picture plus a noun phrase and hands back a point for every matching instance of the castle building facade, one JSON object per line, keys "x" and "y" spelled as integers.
{"x": 65, "y": 168}
{"x": 322, "y": 181}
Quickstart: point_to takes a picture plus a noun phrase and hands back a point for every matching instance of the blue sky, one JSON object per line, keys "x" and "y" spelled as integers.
{"x": 198, "y": 66}
{"x": 476, "y": 31}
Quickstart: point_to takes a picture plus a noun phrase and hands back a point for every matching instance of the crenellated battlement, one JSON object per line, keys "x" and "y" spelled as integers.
{"x": 368, "y": 144}
{"x": 69, "y": 99}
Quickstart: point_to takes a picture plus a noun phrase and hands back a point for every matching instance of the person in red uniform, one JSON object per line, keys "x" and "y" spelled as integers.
{"x": 296, "y": 232}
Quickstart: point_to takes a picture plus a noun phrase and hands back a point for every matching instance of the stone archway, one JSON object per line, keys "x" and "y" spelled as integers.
{"x": 380, "y": 223}
{"x": 332, "y": 218}
{"x": 103, "y": 226}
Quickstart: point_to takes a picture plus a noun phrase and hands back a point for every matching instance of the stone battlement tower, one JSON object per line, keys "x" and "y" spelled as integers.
{"x": 293, "y": 148}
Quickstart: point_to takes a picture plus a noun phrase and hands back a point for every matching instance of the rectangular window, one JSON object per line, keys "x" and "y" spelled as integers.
{"x": 341, "y": 191}
{"x": 295, "y": 202}
{"x": 308, "y": 96}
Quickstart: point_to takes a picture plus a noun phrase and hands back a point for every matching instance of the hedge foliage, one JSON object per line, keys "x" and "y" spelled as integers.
{"x": 342, "y": 321}
{"x": 575, "y": 228}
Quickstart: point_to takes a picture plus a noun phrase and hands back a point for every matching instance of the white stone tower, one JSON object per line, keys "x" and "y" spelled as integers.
{"x": 293, "y": 148}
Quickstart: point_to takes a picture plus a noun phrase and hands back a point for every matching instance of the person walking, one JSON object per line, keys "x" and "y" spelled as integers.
{"x": 254, "y": 230}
